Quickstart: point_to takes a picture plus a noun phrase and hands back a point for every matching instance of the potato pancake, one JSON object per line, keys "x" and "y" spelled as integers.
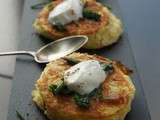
{"x": 103, "y": 32}
{"x": 117, "y": 88}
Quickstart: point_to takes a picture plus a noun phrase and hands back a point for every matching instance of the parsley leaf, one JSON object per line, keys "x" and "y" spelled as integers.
{"x": 59, "y": 89}
{"x": 81, "y": 100}
{"x": 91, "y": 15}
{"x": 60, "y": 27}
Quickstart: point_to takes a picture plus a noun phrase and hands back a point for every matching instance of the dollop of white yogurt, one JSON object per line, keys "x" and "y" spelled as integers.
{"x": 84, "y": 77}
{"x": 66, "y": 12}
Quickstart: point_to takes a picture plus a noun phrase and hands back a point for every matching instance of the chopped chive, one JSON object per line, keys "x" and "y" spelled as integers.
{"x": 59, "y": 89}
{"x": 60, "y": 27}
{"x": 106, "y": 67}
{"x": 91, "y": 15}
{"x": 81, "y": 100}
{"x": 56, "y": 89}
{"x": 84, "y": 100}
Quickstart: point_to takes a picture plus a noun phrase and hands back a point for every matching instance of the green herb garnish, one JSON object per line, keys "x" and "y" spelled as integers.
{"x": 60, "y": 88}
{"x": 19, "y": 115}
{"x": 84, "y": 100}
{"x": 56, "y": 89}
{"x": 39, "y": 5}
{"x": 60, "y": 27}
{"x": 97, "y": 93}
{"x": 53, "y": 88}
{"x": 91, "y": 15}
{"x": 81, "y": 100}
{"x": 106, "y": 67}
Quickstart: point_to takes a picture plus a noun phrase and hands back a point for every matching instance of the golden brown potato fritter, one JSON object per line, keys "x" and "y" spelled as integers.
{"x": 117, "y": 89}
{"x": 101, "y": 33}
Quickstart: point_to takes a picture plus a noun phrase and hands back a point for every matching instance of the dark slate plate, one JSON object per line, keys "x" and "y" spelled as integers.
{"x": 27, "y": 71}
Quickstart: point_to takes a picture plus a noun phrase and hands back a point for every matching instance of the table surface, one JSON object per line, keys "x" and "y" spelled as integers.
{"x": 142, "y": 17}
{"x": 10, "y": 14}
{"x": 141, "y": 21}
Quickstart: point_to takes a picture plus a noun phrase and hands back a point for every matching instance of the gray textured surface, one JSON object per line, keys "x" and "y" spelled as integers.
{"x": 10, "y": 14}
{"x": 142, "y": 21}
{"x": 5, "y": 88}
{"x": 27, "y": 71}
{"x": 9, "y": 32}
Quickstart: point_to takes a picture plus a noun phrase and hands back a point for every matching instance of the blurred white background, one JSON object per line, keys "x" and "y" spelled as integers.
{"x": 10, "y": 16}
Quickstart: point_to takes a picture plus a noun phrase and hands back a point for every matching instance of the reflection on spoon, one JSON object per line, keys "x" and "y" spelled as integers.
{"x": 54, "y": 50}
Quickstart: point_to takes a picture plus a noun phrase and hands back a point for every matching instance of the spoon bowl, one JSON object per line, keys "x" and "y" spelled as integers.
{"x": 54, "y": 50}
{"x": 60, "y": 48}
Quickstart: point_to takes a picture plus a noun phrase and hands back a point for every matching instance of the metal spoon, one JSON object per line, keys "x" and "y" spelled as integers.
{"x": 54, "y": 50}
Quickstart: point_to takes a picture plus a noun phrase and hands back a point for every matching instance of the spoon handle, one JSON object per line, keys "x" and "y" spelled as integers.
{"x": 18, "y": 53}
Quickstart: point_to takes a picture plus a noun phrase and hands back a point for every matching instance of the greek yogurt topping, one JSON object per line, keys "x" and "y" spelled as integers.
{"x": 66, "y": 12}
{"x": 84, "y": 77}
